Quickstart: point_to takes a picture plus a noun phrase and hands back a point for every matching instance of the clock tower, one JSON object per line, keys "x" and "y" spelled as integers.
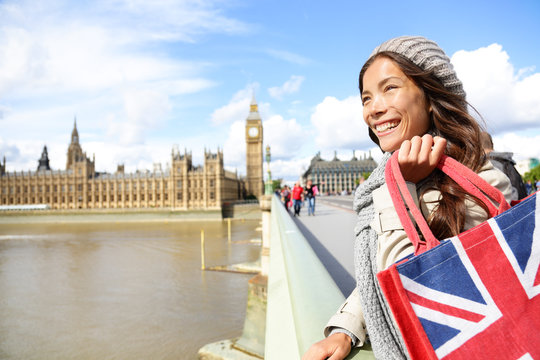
{"x": 254, "y": 152}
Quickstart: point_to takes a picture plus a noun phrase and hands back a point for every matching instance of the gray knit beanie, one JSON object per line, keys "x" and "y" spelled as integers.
{"x": 428, "y": 56}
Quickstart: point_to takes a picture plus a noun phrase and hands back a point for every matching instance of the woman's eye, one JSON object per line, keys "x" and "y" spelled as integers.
{"x": 389, "y": 87}
{"x": 365, "y": 99}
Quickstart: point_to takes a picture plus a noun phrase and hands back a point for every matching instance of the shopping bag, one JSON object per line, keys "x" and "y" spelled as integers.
{"x": 472, "y": 296}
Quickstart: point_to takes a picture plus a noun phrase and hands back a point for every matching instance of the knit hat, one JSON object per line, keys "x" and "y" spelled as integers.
{"x": 428, "y": 56}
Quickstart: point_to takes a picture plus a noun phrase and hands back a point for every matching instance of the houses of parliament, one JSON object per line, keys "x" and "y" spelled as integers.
{"x": 183, "y": 186}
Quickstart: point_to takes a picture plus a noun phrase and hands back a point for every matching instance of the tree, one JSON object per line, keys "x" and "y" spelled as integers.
{"x": 533, "y": 175}
{"x": 276, "y": 184}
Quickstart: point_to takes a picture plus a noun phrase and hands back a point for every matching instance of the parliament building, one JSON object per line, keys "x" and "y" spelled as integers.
{"x": 336, "y": 176}
{"x": 182, "y": 186}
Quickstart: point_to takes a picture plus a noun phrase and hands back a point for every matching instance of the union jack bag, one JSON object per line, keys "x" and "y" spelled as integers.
{"x": 472, "y": 296}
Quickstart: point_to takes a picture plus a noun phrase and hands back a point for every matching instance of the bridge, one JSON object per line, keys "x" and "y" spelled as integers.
{"x": 311, "y": 272}
{"x": 307, "y": 271}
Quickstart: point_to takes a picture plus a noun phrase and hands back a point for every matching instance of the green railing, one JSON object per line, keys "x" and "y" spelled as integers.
{"x": 301, "y": 294}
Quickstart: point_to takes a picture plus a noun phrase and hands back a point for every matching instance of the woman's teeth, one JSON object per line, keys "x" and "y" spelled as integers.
{"x": 386, "y": 126}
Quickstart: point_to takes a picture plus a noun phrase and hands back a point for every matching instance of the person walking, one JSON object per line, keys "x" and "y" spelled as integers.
{"x": 309, "y": 194}
{"x": 529, "y": 187}
{"x": 297, "y": 197}
{"x": 504, "y": 162}
{"x": 412, "y": 102}
{"x": 286, "y": 196}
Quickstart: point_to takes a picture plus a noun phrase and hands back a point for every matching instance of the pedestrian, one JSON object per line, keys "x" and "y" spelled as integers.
{"x": 286, "y": 196}
{"x": 412, "y": 102}
{"x": 504, "y": 162}
{"x": 309, "y": 195}
{"x": 297, "y": 197}
{"x": 529, "y": 187}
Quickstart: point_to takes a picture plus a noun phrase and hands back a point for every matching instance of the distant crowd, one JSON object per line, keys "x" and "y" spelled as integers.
{"x": 294, "y": 198}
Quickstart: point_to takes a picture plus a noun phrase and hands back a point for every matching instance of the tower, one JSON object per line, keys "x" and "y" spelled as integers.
{"x": 254, "y": 152}
{"x": 75, "y": 153}
{"x": 44, "y": 161}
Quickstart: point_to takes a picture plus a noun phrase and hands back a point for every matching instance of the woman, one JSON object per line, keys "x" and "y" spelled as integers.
{"x": 286, "y": 196}
{"x": 414, "y": 102}
{"x": 310, "y": 192}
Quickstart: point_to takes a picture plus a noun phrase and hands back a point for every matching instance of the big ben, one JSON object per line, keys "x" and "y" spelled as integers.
{"x": 254, "y": 152}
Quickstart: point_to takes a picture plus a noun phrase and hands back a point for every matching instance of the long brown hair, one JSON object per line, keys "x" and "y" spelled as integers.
{"x": 451, "y": 120}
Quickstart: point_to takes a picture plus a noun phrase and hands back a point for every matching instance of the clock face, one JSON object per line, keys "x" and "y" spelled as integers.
{"x": 253, "y": 132}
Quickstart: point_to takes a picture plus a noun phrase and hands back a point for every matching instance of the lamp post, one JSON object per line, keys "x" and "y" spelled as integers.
{"x": 268, "y": 186}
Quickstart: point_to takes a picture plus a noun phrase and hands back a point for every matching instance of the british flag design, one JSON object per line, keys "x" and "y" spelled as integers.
{"x": 471, "y": 306}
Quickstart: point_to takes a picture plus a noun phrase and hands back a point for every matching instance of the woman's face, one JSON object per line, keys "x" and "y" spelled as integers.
{"x": 395, "y": 107}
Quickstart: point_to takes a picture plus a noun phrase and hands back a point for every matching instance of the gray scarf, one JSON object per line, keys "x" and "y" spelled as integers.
{"x": 384, "y": 336}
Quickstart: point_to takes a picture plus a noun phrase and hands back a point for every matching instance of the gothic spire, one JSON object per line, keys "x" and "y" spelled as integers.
{"x": 253, "y": 109}
{"x": 44, "y": 160}
{"x": 75, "y": 133}
{"x": 253, "y": 106}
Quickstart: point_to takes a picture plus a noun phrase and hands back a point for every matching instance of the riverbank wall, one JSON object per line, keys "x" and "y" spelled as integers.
{"x": 234, "y": 211}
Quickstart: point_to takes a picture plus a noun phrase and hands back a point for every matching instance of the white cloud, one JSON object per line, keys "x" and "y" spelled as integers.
{"x": 83, "y": 59}
{"x": 289, "y": 170}
{"x": 283, "y": 136}
{"x": 11, "y": 151}
{"x": 234, "y": 149}
{"x": 178, "y": 20}
{"x": 132, "y": 20}
{"x": 289, "y": 87}
{"x": 238, "y": 107}
{"x": 339, "y": 124}
{"x": 232, "y": 111}
{"x": 523, "y": 147}
{"x": 133, "y": 157}
{"x": 505, "y": 97}
{"x": 144, "y": 110}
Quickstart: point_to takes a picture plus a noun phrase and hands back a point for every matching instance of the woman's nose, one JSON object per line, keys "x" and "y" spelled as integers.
{"x": 377, "y": 105}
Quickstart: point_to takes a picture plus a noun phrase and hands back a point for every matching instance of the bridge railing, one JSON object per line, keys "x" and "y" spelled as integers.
{"x": 302, "y": 296}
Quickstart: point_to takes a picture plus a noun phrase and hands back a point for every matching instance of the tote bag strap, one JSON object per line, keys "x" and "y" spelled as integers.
{"x": 465, "y": 177}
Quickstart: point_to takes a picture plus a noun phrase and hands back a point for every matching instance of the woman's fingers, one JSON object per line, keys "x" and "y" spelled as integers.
{"x": 425, "y": 149}
{"x": 419, "y": 156}
{"x": 416, "y": 147}
{"x": 416, "y": 150}
{"x": 439, "y": 146}
{"x": 404, "y": 150}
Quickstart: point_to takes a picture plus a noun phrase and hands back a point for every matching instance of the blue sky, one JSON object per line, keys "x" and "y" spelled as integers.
{"x": 142, "y": 77}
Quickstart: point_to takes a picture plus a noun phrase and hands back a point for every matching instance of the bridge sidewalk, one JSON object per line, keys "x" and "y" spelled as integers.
{"x": 331, "y": 235}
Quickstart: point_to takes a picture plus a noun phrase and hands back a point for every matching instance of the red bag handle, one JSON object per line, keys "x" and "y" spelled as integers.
{"x": 465, "y": 177}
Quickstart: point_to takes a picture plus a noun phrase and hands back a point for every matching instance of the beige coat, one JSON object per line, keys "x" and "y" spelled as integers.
{"x": 394, "y": 244}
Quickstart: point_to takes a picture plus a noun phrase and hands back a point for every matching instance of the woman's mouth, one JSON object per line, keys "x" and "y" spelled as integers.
{"x": 386, "y": 126}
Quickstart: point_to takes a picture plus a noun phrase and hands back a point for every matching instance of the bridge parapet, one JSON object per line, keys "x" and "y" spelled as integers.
{"x": 301, "y": 294}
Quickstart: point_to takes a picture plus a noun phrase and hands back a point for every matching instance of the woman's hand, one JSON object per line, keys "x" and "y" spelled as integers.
{"x": 335, "y": 347}
{"x": 419, "y": 156}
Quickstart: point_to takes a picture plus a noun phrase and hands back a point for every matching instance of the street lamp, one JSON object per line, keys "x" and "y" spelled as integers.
{"x": 268, "y": 186}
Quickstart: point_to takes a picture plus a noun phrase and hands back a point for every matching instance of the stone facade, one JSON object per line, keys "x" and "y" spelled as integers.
{"x": 183, "y": 186}
{"x": 336, "y": 176}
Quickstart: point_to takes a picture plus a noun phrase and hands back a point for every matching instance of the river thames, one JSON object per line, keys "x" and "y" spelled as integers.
{"x": 132, "y": 290}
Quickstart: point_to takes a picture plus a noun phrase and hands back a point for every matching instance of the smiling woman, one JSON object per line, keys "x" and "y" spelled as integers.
{"x": 414, "y": 103}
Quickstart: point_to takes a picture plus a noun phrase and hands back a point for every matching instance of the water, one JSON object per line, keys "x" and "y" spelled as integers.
{"x": 120, "y": 291}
